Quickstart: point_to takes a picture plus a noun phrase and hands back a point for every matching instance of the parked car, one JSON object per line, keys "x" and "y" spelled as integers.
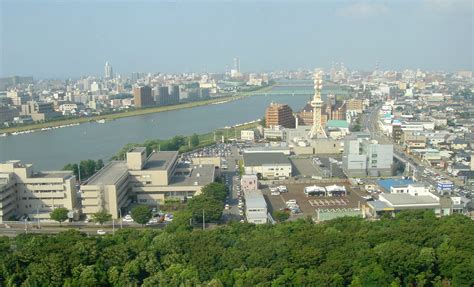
{"x": 101, "y": 232}
{"x": 227, "y": 206}
{"x": 275, "y": 193}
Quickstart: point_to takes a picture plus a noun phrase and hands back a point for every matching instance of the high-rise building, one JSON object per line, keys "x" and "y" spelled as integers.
{"x": 174, "y": 94}
{"x": 142, "y": 96}
{"x": 163, "y": 96}
{"x": 109, "y": 74}
{"x": 279, "y": 115}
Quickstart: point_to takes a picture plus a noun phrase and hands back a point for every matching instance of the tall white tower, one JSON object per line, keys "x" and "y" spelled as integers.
{"x": 317, "y": 104}
{"x": 108, "y": 71}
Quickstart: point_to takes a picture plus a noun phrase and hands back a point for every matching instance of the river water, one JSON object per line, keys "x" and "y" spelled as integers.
{"x": 48, "y": 150}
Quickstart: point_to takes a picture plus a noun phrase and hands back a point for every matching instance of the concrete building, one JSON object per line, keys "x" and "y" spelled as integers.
{"x": 355, "y": 105}
{"x": 142, "y": 97}
{"x": 145, "y": 179}
{"x": 174, "y": 94}
{"x": 255, "y": 207}
{"x": 7, "y": 114}
{"x": 267, "y": 165}
{"x": 249, "y": 182}
{"x": 279, "y": 115}
{"x": 38, "y": 110}
{"x": 35, "y": 194}
{"x": 247, "y": 135}
{"x": 364, "y": 157}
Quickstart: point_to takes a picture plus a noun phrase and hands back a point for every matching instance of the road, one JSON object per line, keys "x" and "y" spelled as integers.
{"x": 232, "y": 180}
{"x": 371, "y": 124}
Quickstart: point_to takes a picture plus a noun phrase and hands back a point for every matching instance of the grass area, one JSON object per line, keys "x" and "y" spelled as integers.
{"x": 125, "y": 114}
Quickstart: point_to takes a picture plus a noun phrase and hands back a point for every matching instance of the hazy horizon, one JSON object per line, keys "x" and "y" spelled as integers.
{"x": 57, "y": 39}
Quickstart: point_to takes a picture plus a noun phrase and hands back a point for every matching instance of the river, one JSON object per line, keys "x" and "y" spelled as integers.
{"x": 52, "y": 149}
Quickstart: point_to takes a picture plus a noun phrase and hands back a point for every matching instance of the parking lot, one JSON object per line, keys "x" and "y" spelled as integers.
{"x": 308, "y": 204}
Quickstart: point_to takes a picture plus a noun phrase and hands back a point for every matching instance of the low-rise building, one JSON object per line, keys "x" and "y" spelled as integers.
{"x": 145, "y": 179}
{"x": 24, "y": 192}
{"x": 255, "y": 207}
{"x": 267, "y": 165}
{"x": 249, "y": 182}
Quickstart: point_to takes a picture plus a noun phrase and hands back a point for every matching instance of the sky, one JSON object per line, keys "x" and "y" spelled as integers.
{"x": 60, "y": 39}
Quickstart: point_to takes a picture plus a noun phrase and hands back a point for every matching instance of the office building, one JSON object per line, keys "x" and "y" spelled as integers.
{"x": 24, "y": 192}
{"x": 279, "y": 115}
{"x": 255, "y": 207}
{"x": 355, "y": 105}
{"x": 108, "y": 72}
{"x": 267, "y": 165}
{"x": 142, "y": 97}
{"x": 365, "y": 157}
{"x": 39, "y": 111}
{"x": 145, "y": 179}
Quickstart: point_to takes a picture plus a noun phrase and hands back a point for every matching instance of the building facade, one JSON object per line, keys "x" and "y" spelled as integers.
{"x": 142, "y": 97}
{"x": 279, "y": 115}
{"x": 24, "y": 192}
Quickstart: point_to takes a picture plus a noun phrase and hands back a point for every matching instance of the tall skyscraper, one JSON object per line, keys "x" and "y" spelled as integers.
{"x": 109, "y": 74}
{"x": 237, "y": 64}
{"x": 142, "y": 96}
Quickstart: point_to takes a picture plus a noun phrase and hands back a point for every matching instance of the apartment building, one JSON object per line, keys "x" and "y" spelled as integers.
{"x": 24, "y": 192}
{"x": 145, "y": 180}
{"x": 279, "y": 115}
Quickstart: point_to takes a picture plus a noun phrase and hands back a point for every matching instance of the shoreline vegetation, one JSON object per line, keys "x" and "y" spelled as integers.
{"x": 126, "y": 114}
{"x": 179, "y": 143}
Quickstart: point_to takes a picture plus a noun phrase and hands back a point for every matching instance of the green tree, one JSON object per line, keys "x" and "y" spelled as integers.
{"x": 194, "y": 140}
{"x": 280, "y": 215}
{"x": 141, "y": 214}
{"x": 101, "y": 217}
{"x": 59, "y": 214}
{"x": 212, "y": 208}
{"x": 215, "y": 190}
{"x": 99, "y": 164}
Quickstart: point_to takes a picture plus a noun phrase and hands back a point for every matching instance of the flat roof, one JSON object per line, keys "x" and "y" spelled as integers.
{"x": 387, "y": 183}
{"x": 109, "y": 174}
{"x": 53, "y": 174}
{"x": 160, "y": 160}
{"x": 201, "y": 174}
{"x": 138, "y": 149}
{"x": 261, "y": 158}
{"x": 403, "y": 199}
{"x": 254, "y": 199}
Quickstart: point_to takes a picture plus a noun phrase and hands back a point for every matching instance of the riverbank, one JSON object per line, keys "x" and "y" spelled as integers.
{"x": 206, "y": 139}
{"x": 125, "y": 114}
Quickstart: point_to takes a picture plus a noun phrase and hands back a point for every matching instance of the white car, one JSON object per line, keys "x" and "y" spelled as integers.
{"x": 227, "y": 206}
{"x": 291, "y": 201}
{"x": 275, "y": 193}
{"x": 101, "y": 232}
{"x": 273, "y": 189}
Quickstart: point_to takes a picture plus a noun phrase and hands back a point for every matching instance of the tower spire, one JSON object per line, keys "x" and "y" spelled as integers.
{"x": 317, "y": 104}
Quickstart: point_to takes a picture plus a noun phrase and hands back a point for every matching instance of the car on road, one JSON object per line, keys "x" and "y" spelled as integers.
{"x": 275, "y": 193}
{"x": 101, "y": 232}
{"x": 227, "y": 206}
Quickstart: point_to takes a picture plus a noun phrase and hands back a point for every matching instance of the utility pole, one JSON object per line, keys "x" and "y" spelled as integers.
{"x": 79, "y": 172}
{"x": 121, "y": 219}
{"x": 37, "y": 217}
{"x": 113, "y": 226}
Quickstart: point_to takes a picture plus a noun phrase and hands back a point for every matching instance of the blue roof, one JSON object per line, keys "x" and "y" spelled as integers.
{"x": 387, "y": 183}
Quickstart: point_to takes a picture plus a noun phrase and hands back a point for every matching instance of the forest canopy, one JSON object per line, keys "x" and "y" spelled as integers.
{"x": 414, "y": 249}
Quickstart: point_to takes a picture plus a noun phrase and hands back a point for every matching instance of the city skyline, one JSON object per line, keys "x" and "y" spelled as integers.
{"x": 430, "y": 35}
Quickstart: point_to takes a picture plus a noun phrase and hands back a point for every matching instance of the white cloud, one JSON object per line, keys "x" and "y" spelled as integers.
{"x": 363, "y": 10}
